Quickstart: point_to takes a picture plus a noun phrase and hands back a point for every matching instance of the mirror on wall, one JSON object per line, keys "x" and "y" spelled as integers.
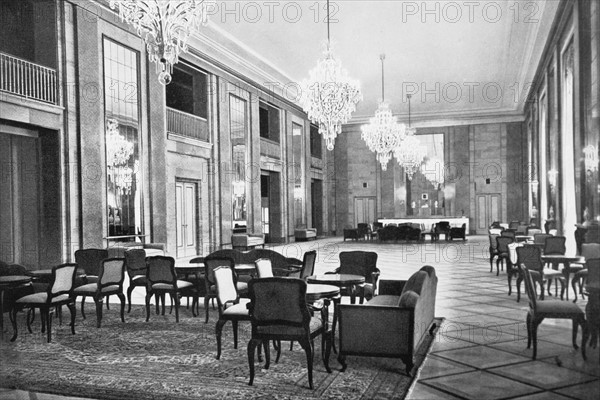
{"x": 298, "y": 176}
{"x": 237, "y": 130}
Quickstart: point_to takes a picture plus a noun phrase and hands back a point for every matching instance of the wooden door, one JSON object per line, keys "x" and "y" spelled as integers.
{"x": 488, "y": 211}
{"x": 185, "y": 200}
{"x": 364, "y": 210}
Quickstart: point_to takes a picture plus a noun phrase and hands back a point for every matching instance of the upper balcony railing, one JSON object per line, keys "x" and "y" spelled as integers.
{"x": 188, "y": 125}
{"x": 27, "y": 79}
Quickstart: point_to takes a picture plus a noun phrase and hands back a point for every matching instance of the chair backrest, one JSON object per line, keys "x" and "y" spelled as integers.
{"x": 522, "y": 229}
{"x": 112, "y": 272}
{"x": 12, "y": 269}
{"x": 363, "y": 229}
{"x": 363, "y": 263}
{"x": 308, "y": 264}
{"x": 264, "y": 268}
{"x": 90, "y": 260}
{"x": 590, "y": 250}
{"x": 540, "y": 238}
{"x": 212, "y": 263}
{"x": 278, "y": 301}
{"x": 160, "y": 269}
{"x": 61, "y": 282}
{"x": 493, "y": 242}
{"x": 135, "y": 262}
{"x": 529, "y": 287}
{"x": 555, "y": 245}
{"x": 530, "y": 257}
{"x": 225, "y": 281}
{"x": 508, "y": 233}
{"x": 377, "y": 225}
{"x": 593, "y": 278}
{"x": 512, "y": 252}
{"x": 533, "y": 231}
{"x": 502, "y": 243}
{"x": 495, "y": 231}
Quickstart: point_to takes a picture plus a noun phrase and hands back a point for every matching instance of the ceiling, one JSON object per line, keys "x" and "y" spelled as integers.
{"x": 462, "y": 61}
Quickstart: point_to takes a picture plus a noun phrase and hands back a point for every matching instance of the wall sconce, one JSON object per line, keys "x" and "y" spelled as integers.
{"x": 552, "y": 177}
{"x": 591, "y": 158}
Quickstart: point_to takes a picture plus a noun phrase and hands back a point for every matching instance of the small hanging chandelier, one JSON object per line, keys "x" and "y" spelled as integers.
{"x": 410, "y": 153}
{"x": 383, "y": 133}
{"x": 329, "y": 96}
{"x": 165, "y": 26}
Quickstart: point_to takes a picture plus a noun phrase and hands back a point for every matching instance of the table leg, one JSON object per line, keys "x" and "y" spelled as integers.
{"x": 336, "y": 303}
{"x": 1, "y": 314}
{"x": 567, "y": 275}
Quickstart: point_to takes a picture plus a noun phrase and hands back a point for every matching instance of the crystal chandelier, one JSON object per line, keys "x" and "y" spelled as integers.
{"x": 165, "y": 26}
{"x": 410, "y": 153}
{"x": 329, "y": 96}
{"x": 383, "y": 133}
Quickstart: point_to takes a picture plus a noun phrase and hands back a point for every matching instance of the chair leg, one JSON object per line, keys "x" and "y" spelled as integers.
{"x": 121, "y": 297}
{"x": 107, "y": 306}
{"x": 234, "y": 323}
{"x": 98, "y": 302}
{"x": 48, "y": 318}
{"x": 206, "y": 301}
{"x": 305, "y": 344}
{"x": 528, "y": 323}
{"x": 218, "y": 331}
{"x": 519, "y": 280}
{"x": 129, "y": 292}
{"x": 277, "y": 345}
{"x": 497, "y": 266}
{"x": 576, "y": 322}
{"x": 175, "y": 297}
{"x": 509, "y": 276}
{"x": 534, "y": 327}
{"x": 585, "y": 334}
{"x": 326, "y": 343}
{"x": 30, "y": 320}
{"x": 83, "y": 306}
{"x": 13, "y": 319}
{"x": 251, "y": 348}
{"x": 574, "y": 287}
{"x": 72, "y": 310}
{"x": 148, "y": 296}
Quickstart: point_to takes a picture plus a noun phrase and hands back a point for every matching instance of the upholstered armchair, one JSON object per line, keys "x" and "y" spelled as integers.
{"x": 458, "y": 233}
{"x": 350, "y": 233}
{"x": 363, "y": 263}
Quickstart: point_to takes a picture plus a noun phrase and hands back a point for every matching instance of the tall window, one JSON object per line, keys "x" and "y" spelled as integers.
{"x": 269, "y": 122}
{"x": 237, "y": 131}
{"x": 187, "y": 91}
{"x": 123, "y": 175}
{"x": 298, "y": 177}
{"x": 315, "y": 142}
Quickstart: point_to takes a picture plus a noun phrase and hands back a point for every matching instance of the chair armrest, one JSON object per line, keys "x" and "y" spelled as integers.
{"x": 335, "y": 271}
{"x": 391, "y": 287}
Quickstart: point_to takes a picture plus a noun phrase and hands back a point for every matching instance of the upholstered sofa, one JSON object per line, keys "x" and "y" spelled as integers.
{"x": 303, "y": 234}
{"x": 392, "y": 324}
{"x": 402, "y": 232}
{"x": 280, "y": 263}
{"x": 245, "y": 241}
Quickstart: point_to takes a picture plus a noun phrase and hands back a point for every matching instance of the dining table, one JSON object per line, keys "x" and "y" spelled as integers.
{"x": 10, "y": 282}
{"x": 565, "y": 260}
{"x": 340, "y": 281}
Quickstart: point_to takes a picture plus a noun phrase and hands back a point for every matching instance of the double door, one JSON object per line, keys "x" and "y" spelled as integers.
{"x": 489, "y": 209}
{"x": 187, "y": 233}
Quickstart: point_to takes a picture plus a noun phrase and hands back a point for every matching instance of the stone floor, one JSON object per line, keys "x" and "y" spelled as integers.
{"x": 480, "y": 350}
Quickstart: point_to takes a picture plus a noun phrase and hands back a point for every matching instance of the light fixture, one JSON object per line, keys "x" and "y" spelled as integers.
{"x": 383, "y": 133}
{"x": 329, "y": 96}
{"x": 552, "y": 177}
{"x": 410, "y": 153}
{"x": 591, "y": 158}
{"x": 165, "y": 26}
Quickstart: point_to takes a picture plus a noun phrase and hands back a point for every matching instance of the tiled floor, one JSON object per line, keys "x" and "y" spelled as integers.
{"x": 480, "y": 350}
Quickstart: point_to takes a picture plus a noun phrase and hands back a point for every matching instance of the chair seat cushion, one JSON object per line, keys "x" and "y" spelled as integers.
{"x": 167, "y": 286}
{"x": 238, "y": 309}
{"x": 41, "y": 298}
{"x": 315, "y": 324}
{"x": 91, "y": 288}
{"x": 139, "y": 279}
{"x": 557, "y": 307}
{"x": 552, "y": 273}
{"x": 242, "y": 287}
{"x": 384, "y": 300}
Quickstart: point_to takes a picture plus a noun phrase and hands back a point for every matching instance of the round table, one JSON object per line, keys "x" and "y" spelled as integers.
{"x": 315, "y": 291}
{"x": 566, "y": 261}
{"x": 9, "y": 282}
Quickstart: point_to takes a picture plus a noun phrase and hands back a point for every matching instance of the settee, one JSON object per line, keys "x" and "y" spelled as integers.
{"x": 404, "y": 232}
{"x": 303, "y": 234}
{"x": 392, "y": 324}
{"x": 245, "y": 241}
{"x": 282, "y": 265}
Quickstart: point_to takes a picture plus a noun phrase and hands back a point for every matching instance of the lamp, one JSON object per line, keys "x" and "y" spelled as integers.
{"x": 410, "y": 153}
{"x": 591, "y": 158}
{"x": 383, "y": 133}
{"x": 165, "y": 26}
{"x": 329, "y": 96}
{"x": 552, "y": 177}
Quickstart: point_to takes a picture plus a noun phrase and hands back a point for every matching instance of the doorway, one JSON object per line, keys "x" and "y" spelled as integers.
{"x": 186, "y": 210}
{"x": 364, "y": 210}
{"x": 316, "y": 195}
{"x": 488, "y": 211}
{"x": 270, "y": 205}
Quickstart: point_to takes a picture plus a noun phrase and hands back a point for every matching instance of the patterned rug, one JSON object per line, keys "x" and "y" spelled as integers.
{"x": 160, "y": 359}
